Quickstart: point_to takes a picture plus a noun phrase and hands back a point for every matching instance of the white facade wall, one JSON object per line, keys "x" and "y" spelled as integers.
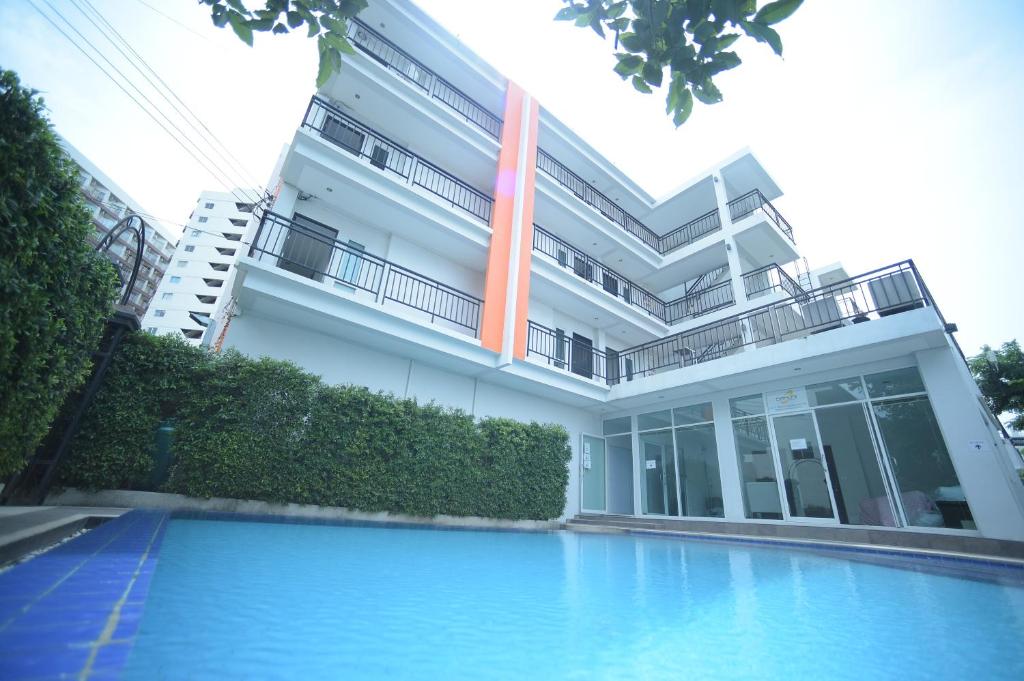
{"x": 197, "y": 276}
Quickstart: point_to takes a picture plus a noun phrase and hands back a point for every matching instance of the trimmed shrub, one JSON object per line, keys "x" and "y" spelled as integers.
{"x": 55, "y": 292}
{"x": 266, "y": 430}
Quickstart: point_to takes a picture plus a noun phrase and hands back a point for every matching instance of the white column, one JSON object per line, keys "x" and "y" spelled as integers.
{"x": 733, "y": 255}
{"x": 728, "y": 462}
{"x": 987, "y": 478}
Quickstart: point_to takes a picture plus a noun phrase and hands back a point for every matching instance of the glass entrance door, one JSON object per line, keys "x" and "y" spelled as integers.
{"x": 594, "y": 483}
{"x": 804, "y": 471}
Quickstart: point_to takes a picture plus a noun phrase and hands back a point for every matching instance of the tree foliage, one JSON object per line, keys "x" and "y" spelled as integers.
{"x": 266, "y": 430}
{"x": 55, "y": 292}
{"x": 326, "y": 20}
{"x": 688, "y": 39}
{"x": 1000, "y": 376}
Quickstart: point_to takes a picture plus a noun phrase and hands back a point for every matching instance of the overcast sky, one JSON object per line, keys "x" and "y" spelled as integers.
{"x": 894, "y": 127}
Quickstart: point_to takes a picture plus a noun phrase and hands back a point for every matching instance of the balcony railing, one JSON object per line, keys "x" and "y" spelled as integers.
{"x": 585, "y": 192}
{"x": 700, "y": 302}
{"x": 566, "y": 352}
{"x": 690, "y": 232}
{"x": 590, "y": 196}
{"x": 309, "y": 249}
{"x": 754, "y": 200}
{"x": 771, "y": 278}
{"x": 393, "y": 58}
{"x": 588, "y": 269}
{"x": 883, "y": 292}
{"x": 358, "y": 139}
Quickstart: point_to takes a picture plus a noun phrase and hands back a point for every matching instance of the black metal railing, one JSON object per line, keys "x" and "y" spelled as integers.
{"x": 566, "y": 352}
{"x": 310, "y": 249}
{"x": 592, "y": 271}
{"x": 700, "y": 302}
{"x": 754, "y": 200}
{"x": 592, "y": 197}
{"x": 880, "y": 293}
{"x": 770, "y": 278}
{"x": 395, "y": 59}
{"x": 356, "y": 138}
{"x": 690, "y": 232}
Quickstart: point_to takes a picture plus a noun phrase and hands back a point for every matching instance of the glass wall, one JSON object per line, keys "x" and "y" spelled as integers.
{"x": 619, "y": 466}
{"x": 700, "y": 484}
{"x": 758, "y": 479}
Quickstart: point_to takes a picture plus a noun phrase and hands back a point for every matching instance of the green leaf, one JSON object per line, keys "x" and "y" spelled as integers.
{"x": 616, "y": 9}
{"x": 294, "y": 19}
{"x": 238, "y": 6}
{"x": 631, "y": 42}
{"x": 240, "y": 27}
{"x": 707, "y": 92}
{"x": 774, "y": 12}
{"x": 325, "y": 71}
{"x": 641, "y": 85}
{"x": 629, "y": 64}
{"x": 567, "y": 13}
{"x": 279, "y": 28}
{"x": 653, "y": 74}
{"x": 723, "y": 61}
{"x": 763, "y": 34}
{"x": 339, "y": 43}
{"x": 314, "y": 26}
{"x": 684, "y": 108}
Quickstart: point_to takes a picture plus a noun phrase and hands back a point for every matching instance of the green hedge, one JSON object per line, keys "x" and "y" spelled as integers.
{"x": 265, "y": 429}
{"x": 55, "y": 291}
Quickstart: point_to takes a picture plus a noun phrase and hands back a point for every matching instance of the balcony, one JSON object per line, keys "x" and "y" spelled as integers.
{"x": 585, "y": 192}
{"x": 348, "y": 134}
{"x": 568, "y": 353}
{"x": 881, "y": 293}
{"x": 394, "y": 59}
{"x": 754, "y": 201}
{"x": 310, "y": 249}
{"x": 700, "y": 302}
{"x": 771, "y": 279}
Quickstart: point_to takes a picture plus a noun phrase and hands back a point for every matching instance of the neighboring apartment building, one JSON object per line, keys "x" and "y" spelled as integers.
{"x": 437, "y": 234}
{"x": 109, "y": 204}
{"x": 190, "y": 293}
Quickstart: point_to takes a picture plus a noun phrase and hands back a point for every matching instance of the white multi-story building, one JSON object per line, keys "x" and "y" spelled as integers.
{"x": 437, "y": 234}
{"x": 109, "y": 205}
{"x": 189, "y": 294}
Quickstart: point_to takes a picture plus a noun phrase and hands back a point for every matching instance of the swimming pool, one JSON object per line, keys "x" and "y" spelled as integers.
{"x": 242, "y": 600}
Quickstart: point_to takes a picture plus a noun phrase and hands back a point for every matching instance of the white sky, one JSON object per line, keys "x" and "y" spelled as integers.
{"x": 893, "y": 126}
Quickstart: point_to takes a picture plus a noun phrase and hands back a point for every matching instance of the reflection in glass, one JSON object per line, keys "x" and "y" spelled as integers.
{"x": 835, "y": 392}
{"x": 699, "y": 480}
{"x": 802, "y": 467}
{"x": 751, "y": 405}
{"x": 757, "y": 470}
{"x": 929, "y": 489}
{"x": 861, "y": 497}
{"x": 895, "y": 382}
{"x": 658, "y": 468}
{"x": 655, "y": 419}
{"x": 616, "y": 426}
{"x": 697, "y": 413}
{"x": 619, "y": 456}
{"x": 593, "y": 473}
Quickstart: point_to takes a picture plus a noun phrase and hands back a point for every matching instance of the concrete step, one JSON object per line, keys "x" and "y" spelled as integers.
{"x": 24, "y": 529}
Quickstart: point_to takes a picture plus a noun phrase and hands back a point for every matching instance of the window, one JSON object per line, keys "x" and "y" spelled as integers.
{"x": 216, "y": 283}
{"x": 226, "y": 251}
{"x": 238, "y": 222}
{"x": 194, "y": 334}
{"x": 700, "y": 484}
{"x": 208, "y": 204}
{"x": 175, "y": 279}
{"x": 159, "y": 313}
{"x": 243, "y": 207}
{"x": 619, "y": 425}
{"x": 352, "y": 263}
{"x": 219, "y": 266}
{"x": 308, "y": 248}
{"x": 167, "y": 296}
{"x": 232, "y": 236}
{"x": 206, "y": 300}
{"x": 190, "y": 249}
{"x": 196, "y": 232}
{"x": 757, "y": 466}
{"x": 182, "y": 263}
{"x": 151, "y": 329}
{"x": 203, "y": 218}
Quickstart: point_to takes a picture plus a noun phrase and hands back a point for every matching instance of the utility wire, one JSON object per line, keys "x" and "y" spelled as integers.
{"x": 215, "y": 175}
{"x": 209, "y": 136}
{"x": 172, "y": 19}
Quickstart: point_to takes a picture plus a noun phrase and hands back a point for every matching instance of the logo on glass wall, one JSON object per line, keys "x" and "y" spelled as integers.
{"x": 790, "y": 399}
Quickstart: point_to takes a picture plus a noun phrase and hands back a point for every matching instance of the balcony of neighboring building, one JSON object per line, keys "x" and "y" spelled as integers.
{"x": 354, "y": 168}
{"x": 417, "y": 105}
{"x": 320, "y": 267}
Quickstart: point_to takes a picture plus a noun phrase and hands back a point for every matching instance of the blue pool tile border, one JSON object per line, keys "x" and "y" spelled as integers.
{"x": 73, "y": 612}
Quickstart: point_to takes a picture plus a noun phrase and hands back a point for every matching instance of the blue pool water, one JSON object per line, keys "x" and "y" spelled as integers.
{"x": 239, "y": 600}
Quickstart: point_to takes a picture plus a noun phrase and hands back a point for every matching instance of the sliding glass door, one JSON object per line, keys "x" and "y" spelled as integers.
{"x": 804, "y": 474}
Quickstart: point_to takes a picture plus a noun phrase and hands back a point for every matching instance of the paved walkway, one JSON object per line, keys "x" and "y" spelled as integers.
{"x": 28, "y": 528}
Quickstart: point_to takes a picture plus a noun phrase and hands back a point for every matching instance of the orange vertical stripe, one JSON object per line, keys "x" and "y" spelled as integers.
{"x": 526, "y": 245}
{"x": 492, "y": 323}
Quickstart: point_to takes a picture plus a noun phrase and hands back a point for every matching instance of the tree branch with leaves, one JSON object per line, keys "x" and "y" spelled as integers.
{"x": 326, "y": 20}
{"x": 685, "y": 43}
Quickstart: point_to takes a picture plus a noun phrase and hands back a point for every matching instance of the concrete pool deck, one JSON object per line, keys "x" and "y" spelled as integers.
{"x": 24, "y": 529}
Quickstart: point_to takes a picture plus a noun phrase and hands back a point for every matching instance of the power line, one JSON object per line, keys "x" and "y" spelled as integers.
{"x": 172, "y": 19}
{"x": 215, "y": 175}
{"x": 209, "y": 136}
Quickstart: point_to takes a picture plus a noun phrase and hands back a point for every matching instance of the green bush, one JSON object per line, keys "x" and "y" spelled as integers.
{"x": 55, "y": 292}
{"x": 264, "y": 429}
